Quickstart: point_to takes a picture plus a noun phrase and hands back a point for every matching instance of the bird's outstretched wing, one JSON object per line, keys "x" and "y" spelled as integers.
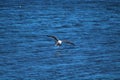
{"x": 53, "y": 37}
{"x": 69, "y": 42}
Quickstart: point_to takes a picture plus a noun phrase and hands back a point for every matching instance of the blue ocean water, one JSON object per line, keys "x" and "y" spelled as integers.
{"x": 27, "y": 54}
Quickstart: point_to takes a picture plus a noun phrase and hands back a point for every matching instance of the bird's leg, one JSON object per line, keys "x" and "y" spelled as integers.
{"x": 56, "y": 44}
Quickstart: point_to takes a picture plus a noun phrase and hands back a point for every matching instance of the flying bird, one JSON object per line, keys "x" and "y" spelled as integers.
{"x": 59, "y": 42}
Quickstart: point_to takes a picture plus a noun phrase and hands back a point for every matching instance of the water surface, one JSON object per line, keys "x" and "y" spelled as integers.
{"x": 27, "y": 54}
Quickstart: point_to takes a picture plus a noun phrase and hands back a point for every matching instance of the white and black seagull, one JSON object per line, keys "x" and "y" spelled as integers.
{"x": 59, "y": 42}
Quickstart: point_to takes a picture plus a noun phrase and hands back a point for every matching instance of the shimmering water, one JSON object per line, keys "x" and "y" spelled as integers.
{"x": 27, "y": 54}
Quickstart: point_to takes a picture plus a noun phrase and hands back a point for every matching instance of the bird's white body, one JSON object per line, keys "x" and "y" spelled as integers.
{"x": 59, "y": 41}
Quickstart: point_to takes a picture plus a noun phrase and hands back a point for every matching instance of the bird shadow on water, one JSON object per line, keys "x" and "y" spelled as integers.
{"x": 62, "y": 51}
{"x": 58, "y": 51}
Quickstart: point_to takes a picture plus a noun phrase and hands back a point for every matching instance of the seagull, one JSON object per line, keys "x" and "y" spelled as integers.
{"x": 59, "y": 42}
